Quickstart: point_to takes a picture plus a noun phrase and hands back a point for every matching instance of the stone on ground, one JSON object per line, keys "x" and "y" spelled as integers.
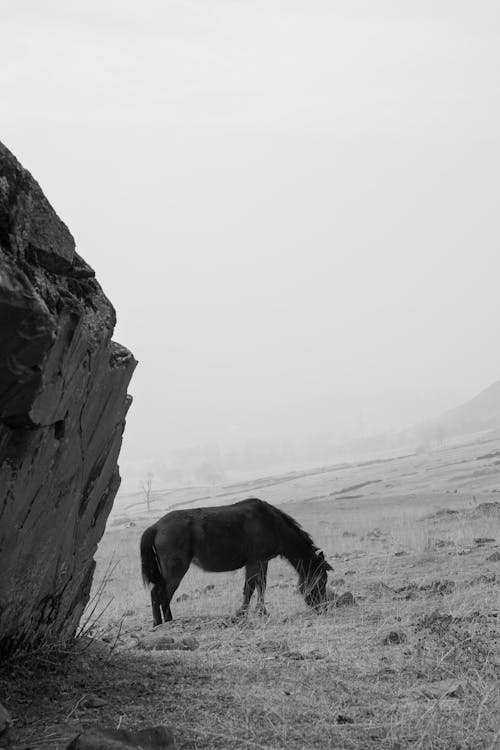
{"x": 151, "y": 738}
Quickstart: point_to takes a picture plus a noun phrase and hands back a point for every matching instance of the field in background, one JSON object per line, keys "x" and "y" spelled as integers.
{"x": 415, "y": 663}
{"x": 405, "y": 535}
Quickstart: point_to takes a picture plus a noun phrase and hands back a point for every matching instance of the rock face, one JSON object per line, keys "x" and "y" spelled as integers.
{"x": 63, "y": 400}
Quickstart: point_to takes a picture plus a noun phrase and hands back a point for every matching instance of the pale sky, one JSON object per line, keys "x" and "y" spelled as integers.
{"x": 292, "y": 205}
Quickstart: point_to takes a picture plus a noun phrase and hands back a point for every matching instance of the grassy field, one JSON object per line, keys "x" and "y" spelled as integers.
{"x": 414, "y": 664}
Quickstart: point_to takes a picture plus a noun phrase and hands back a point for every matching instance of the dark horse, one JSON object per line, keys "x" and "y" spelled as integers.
{"x": 227, "y": 537}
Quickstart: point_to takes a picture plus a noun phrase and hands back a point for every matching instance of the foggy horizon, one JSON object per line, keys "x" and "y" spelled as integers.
{"x": 292, "y": 206}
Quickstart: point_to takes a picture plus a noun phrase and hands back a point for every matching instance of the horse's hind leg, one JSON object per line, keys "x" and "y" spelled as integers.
{"x": 255, "y": 575}
{"x": 174, "y": 571}
{"x": 155, "y": 606}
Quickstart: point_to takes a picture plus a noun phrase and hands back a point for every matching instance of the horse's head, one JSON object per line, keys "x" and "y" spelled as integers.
{"x": 312, "y": 584}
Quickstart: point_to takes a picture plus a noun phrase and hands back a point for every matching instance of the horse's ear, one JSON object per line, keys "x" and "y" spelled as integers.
{"x": 327, "y": 566}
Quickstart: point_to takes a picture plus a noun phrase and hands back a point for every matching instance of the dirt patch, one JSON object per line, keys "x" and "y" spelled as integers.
{"x": 487, "y": 509}
{"x": 55, "y": 695}
{"x": 436, "y": 588}
{"x": 493, "y": 454}
{"x": 443, "y": 513}
{"x": 465, "y": 643}
{"x": 354, "y": 487}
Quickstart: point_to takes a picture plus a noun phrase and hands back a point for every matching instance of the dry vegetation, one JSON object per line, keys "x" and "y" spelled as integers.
{"x": 415, "y": 663}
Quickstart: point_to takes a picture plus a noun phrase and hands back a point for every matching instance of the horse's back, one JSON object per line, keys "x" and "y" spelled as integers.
{"x": 220, "y": 538}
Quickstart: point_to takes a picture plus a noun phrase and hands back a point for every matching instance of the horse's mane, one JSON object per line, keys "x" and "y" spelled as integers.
{"x": 298, "y": 547}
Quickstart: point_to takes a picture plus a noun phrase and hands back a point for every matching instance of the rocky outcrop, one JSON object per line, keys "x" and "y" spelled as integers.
{"x": 63, "y": 400}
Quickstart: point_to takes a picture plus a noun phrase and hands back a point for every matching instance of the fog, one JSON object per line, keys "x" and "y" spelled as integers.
{"x": 293, "y": 207}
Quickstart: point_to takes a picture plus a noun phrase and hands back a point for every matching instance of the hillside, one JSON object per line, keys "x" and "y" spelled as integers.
{"x": 480, "y": 413}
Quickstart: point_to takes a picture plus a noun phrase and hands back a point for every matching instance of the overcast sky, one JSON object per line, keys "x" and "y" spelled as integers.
{"x": 292, "y": 205}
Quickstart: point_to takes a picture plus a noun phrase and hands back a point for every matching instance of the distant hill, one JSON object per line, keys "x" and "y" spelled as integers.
{"x": 480, "y": 413}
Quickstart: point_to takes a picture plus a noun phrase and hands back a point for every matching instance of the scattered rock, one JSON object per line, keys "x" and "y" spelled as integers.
{"x": 189, "y": 643}
{"x": 155, "y": 642}
{"x": 95, "y": 646}
{"x": 348, "y": 533}
{"x": 343, "y": 719}
{"x": 483, "y": 578}
{"x": 493, "y": 454}
{"x": 386, "y": 673}
{"x": 344, "y": 600}
{"x": 314, "y": 653}
{"x": 439, "y": 587}
{"x": 303, "y": 655}
{"x": 163, "y": 627}
{"x": 5, "y": 720}
{"x": 151, "y": 738}
{"x": 409, "y": 591}
{"x": 444, "y": 512}
{"x": 439, "y": 543}
{"x": 394, "y": 637}
{"x": 488, "y": 509}
{"x": 443, "y": 689}
{"x": 294, "y": 655}
{"x": 401, "y": 553}
{"x": 272, "y": 646}
{"x": 120, "y": 521}
{"x": 338, "y": 582}
{"x": 350, "y": 572}
{"x": 160, "y": 642}
{"x": 93, "y": 701}
{"x": 380, "y": 588}
{"x": 484, "y": 540}
{"x": 182, "y": 598}
{"x": 495, "y": 557}
{"x": 437, "y": 622}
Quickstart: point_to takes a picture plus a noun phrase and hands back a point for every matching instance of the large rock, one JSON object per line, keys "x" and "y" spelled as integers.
{"x": 63, "y": 400}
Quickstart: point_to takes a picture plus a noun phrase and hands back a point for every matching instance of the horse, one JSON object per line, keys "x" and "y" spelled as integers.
{"x": 247, "y": 534}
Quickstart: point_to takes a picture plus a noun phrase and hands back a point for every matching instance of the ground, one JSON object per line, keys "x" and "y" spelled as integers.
{"x": 414, "y": 664}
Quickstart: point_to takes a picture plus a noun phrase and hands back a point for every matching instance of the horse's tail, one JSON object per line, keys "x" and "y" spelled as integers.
{"x": 151, "y": 573}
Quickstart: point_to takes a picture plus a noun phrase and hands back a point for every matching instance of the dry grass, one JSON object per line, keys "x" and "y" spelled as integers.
{"x": 415, "y": 664}
{"x": 296, "y": 680}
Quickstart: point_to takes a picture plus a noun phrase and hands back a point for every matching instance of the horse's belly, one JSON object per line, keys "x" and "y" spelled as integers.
{"x": 220, "y": 563}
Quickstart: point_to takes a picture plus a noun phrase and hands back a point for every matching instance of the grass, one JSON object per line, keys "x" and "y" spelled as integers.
{"x": 415, "y": 664}
{"x": 297, "y": 680}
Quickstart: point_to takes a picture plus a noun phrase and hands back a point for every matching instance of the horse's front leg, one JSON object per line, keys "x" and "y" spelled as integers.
{"x": 261, "y": 588}
{"x": 248, "y": 588}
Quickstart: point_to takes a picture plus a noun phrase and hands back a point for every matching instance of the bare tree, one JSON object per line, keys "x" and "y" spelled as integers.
{"x": 146, "y": 486}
